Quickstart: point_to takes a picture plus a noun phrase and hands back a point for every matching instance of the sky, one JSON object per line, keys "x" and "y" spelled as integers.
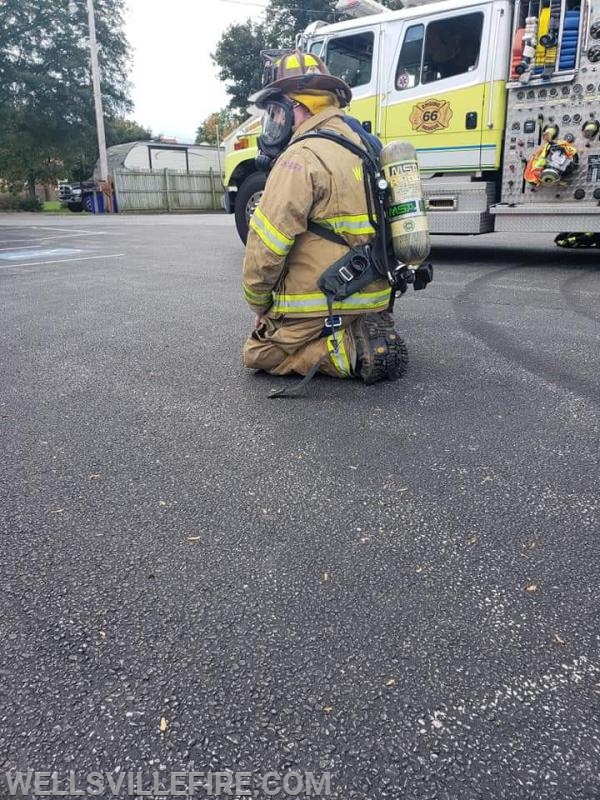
{"x": 174, "y": 81}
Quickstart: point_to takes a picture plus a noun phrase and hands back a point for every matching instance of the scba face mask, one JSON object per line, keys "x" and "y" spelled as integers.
{"x": 277, "y": 128}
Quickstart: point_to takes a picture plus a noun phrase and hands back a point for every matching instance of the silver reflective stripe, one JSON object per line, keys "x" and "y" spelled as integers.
{"x": 356, "y": 225}
{"x": 311, "y": 303}
{"x": 273, "y": 239}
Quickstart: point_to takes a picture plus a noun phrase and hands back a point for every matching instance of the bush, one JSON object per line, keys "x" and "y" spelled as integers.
{"x": 30, "y": 204}
{"x": 15, "y": 202}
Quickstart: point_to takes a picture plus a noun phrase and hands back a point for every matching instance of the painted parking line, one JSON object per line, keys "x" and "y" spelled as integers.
{"x": 59, "y": 261}
{"x": 19, "y": 255}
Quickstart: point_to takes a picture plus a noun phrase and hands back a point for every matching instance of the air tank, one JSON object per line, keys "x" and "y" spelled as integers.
{"x": 405, "y": 204}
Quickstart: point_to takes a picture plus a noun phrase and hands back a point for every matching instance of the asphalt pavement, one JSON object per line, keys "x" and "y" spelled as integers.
{"x": 395, "y": 585}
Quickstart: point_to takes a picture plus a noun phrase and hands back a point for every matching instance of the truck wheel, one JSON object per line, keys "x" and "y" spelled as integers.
{"x": 75, "y": 207}
{"x": 246, "y": 201}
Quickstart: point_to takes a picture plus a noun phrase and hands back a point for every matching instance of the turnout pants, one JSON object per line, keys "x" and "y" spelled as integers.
{"x": 294, "y": 346}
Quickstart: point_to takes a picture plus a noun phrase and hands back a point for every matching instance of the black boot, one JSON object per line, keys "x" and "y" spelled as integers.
{"x": 380, "y": 352}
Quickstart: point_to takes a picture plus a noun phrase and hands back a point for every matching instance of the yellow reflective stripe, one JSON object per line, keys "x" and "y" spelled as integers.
{"x": 356, "y": 224}
{"x": 339, "y": 358}
{"x": 316, "y": 302}
{"x": 262, "y": 299}
{"x": 276, "y": 241}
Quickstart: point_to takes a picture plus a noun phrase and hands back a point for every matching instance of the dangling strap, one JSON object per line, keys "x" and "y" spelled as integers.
{"x": 292, "y": 391}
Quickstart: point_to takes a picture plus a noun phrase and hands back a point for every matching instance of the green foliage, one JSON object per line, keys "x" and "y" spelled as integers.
{"x": 16, "y": 202}
{"x": 215, "y": 127}
{"x": 237, "y": 54}
{"x": 47, "y": 113}
{"x": 238, "y": 58}
{"x": 286, "y": 19}
{"x": 120, "y": 130}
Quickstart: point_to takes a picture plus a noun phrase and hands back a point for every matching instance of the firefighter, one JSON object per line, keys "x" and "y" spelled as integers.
{"x": 312, "y": 181}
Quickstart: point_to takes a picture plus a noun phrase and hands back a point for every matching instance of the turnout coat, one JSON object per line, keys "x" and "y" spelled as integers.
{"x": 322, "y": 181}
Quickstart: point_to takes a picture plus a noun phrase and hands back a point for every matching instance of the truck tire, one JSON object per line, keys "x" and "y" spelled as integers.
{"x": 75, "y": 207}
{"x": 246, "y": 201}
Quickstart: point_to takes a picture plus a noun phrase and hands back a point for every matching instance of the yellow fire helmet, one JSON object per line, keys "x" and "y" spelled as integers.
{"x": 300, "y": 73}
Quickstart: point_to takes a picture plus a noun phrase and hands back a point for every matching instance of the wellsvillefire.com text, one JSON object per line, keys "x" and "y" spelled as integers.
{"x": 175, "y": 784}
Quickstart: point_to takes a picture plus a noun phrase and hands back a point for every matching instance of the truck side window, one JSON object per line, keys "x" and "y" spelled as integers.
{"x": 351, "y": 58}
{"x": 408, "y": 71}
{"x": 451, "y": 46}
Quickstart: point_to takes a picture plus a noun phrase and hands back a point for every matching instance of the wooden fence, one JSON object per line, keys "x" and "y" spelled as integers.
{"x": 167, "y": 190}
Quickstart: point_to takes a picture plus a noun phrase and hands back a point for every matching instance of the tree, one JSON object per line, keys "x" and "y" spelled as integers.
{"x": 238, "y": 58}
{"x": 287, "y": 19}
{"x": 217, "y": 126}
{"x": 237, "y": 54}
{"x": 46, "y": 102}
{"x": 120, "y": 130}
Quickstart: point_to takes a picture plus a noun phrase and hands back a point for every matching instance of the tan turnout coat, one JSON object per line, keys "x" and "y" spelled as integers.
{"x": 322, "y": 181}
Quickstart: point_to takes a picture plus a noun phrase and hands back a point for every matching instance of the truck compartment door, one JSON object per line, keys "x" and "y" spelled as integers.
{"x": 442, "y": 90}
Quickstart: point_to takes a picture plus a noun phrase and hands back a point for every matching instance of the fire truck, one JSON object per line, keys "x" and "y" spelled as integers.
{"x": 501, "y": 99}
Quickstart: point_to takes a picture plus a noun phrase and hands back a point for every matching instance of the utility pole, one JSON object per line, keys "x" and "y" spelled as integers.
{"x": 97, "y": 92}
{"x": 96, "y": 86}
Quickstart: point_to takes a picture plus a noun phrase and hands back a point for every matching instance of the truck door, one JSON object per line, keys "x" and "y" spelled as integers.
{"x": 446, "y": 95}
{"x": 355, "y": 57}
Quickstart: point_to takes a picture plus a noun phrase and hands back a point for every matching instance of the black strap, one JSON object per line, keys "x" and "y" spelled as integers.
{"x": 292, "y": 391}
{"x": 321, "y": 230}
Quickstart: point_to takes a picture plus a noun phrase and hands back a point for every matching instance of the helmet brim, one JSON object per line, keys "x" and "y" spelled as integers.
{"x": 298, "y": 84}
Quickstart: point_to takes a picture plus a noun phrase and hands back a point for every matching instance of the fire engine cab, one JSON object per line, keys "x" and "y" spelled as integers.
{"x": 501, "y": 99}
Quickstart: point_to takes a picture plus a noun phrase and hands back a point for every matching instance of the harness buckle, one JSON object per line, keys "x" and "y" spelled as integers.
{"x": 345, "y": 274}
{"x": 333, "y": 322}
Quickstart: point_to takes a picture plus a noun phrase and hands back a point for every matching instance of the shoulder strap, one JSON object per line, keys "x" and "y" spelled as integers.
{"x": 366, "y": 155}
{"x": 325, "y": 233}
{"x": 373, "y": 192}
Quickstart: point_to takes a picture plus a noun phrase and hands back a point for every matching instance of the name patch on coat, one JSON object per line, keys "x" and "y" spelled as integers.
{"x": 288, "y": 164}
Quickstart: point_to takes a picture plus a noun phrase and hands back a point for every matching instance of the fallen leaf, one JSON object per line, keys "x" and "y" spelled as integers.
{"x": 364, "y": 539}
{"x": 390, "y": 682}
{"x": 419, "y": 569}
{"x": 531, "y": 588}
{"x": 94, "y": 476}
{"x": 161, "y": 503}
{"x": 472, "y": 540}
{"x": 325, "y": 576}
{"x": 558, "y": 640}
{"x": 193, "y": 538}
{"x": 57, "y": 511}
{"x": 328, "y": 709}
{"x": 163, "y": 725}
{"x": 103, "y": 634}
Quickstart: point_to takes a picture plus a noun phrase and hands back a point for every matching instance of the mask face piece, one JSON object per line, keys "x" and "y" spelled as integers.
{"x": 278, "y": 119}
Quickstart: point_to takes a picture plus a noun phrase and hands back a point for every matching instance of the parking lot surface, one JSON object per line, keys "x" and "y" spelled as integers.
{"x": 396, "y": 585}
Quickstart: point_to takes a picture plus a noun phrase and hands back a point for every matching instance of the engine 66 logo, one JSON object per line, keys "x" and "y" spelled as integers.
{"x": 430, "y": 116}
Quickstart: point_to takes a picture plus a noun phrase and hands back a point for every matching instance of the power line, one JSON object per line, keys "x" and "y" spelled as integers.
{"x": 243, "y": 3}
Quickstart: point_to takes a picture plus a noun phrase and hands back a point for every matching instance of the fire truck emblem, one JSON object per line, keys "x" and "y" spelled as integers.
{"x": 430, "y": 116}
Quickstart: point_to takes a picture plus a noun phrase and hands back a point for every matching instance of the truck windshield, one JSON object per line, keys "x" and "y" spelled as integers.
{"x": 348, "y": 57}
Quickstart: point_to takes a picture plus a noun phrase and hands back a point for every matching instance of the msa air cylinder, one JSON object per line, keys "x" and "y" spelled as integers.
{"x": 405, "y": 204}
